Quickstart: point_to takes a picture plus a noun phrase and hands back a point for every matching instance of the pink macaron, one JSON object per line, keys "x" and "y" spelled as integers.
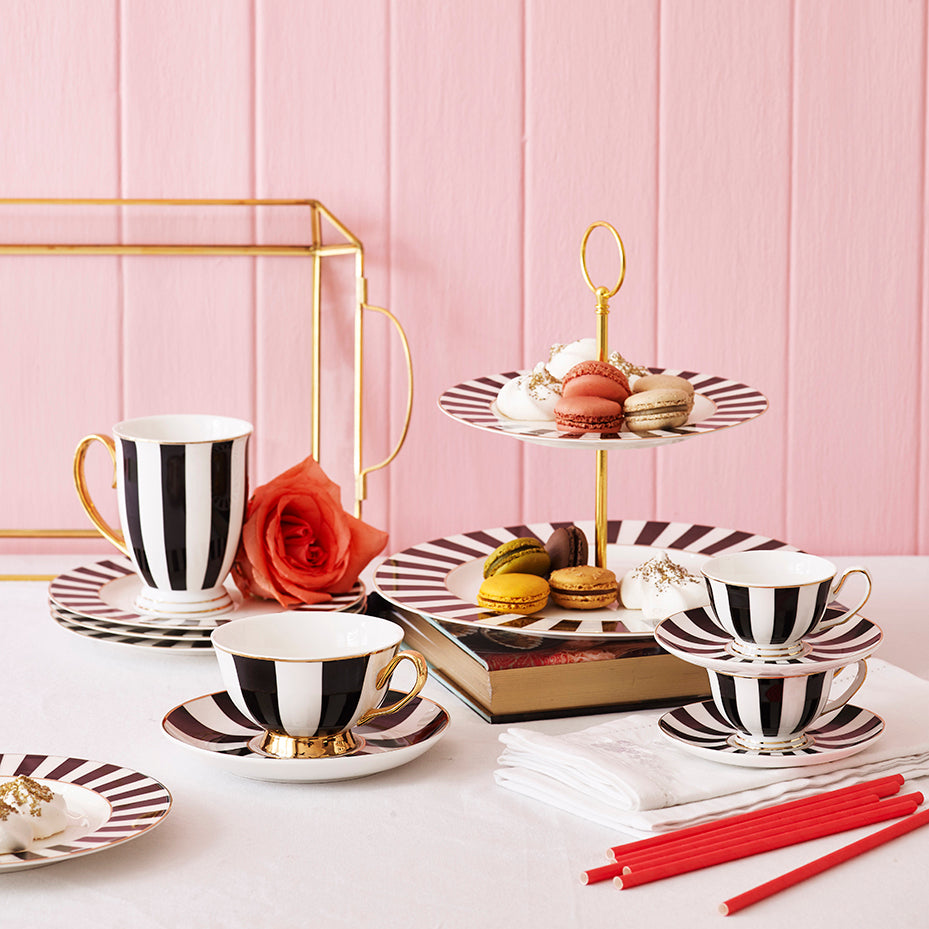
{"x": 588, "y": 414}
{"x": 596, "y": 379}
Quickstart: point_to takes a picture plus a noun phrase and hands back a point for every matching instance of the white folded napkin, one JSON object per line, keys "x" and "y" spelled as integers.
{"x": 626, "y": 775}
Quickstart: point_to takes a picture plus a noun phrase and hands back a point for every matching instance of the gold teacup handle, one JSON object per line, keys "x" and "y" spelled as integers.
{"x": 106, "y": 530}
{"x": 848, "y": 614}
{"x": 421, "y": 673}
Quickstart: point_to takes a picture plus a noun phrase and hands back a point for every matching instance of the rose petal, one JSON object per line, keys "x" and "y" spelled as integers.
{"x": 298, "y": 544}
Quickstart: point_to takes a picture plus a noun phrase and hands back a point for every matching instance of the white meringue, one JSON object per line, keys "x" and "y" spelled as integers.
{"x": 661, "y": 588}
{"x": 530, "y": 396}
{"x": 565, "y": 357}
{"x": 43, "y": 809}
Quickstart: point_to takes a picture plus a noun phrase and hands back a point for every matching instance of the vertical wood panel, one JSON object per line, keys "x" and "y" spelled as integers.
{"x": 858, "y": 167}
{"x": 723, "y": 241}
{"x": 322, "y": 133}
{"x": 591, "y": 150}
{"x": 187, "y": 132}
{"x": 59, "y": 316}
{"x": 456, "y": 123}
{"x": 922, "y": 493}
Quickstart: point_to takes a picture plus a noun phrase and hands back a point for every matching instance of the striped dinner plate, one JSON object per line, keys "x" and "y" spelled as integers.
{"x": 107, "y": 589}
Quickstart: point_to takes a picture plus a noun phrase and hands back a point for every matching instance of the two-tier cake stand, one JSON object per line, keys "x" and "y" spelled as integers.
{"x": 440, "y": 578}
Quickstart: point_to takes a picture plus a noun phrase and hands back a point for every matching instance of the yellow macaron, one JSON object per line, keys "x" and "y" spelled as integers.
{"x": 513, "y": 593}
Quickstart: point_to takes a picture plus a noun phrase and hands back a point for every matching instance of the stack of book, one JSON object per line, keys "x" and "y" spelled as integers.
{"x": 508, "y": 676}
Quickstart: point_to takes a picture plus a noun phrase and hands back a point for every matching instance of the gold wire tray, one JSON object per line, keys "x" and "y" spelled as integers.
{"x": 318, "y": 250}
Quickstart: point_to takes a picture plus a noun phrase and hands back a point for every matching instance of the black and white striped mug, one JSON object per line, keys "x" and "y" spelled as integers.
{"x": 308, "y": 680}
{"x": 771, "y": 713}
{"x": 769, "y": 601}
{"x": 181, "y": 485}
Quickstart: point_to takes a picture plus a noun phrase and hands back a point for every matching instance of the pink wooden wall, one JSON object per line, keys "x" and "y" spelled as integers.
{"x": 765, "y": 163}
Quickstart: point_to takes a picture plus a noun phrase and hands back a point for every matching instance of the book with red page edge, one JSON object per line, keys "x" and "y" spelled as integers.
{"x": 513, "y": 677}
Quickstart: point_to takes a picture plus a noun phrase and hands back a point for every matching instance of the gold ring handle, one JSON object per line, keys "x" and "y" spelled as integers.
{"x": 362, "y": 476}
{"x": 108, "y": 532}
{"x": 602, "y": 293}
{"x": 422, "y": 673}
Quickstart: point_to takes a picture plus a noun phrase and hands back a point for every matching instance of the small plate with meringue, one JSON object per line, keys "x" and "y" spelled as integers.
{"x": 53, "y": 808}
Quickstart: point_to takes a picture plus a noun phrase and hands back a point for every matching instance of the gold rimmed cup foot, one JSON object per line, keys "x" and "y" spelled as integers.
{"x": 280, "y": 745}
{"x": 791, "y": 744}
{"x": 766, "y": 652}
{"x": 183, "y": 604}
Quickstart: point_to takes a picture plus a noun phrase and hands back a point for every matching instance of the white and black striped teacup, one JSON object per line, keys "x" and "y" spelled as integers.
{"x": 308, "y": 679}
{"x": 771, "y": 713}
{"x": 181, "y": 486}
{"x": 769, "y": 601}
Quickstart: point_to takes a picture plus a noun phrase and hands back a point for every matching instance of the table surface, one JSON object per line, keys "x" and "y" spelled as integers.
{"x": 434, "y": 843}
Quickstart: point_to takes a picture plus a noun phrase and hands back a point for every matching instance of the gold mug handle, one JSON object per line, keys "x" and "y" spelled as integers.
{"x": 361, "y": 474}
{"x": 421, "y": 673}
{"x": 106, "y": 530}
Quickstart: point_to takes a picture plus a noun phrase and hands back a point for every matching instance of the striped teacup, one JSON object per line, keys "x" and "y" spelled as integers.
{"x": 771, "y": 714}
{"x": 181, "y": 486}
{"x": 308, "y": 681}
{"x": 769, "y": 601}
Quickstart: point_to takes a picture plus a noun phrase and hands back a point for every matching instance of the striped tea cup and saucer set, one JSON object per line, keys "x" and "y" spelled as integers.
{"x": 783, "y": 660}
{"x": 308, "y": 698}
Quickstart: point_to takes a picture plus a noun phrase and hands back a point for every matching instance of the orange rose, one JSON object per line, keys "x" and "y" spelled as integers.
{"x": 298, "y": 544}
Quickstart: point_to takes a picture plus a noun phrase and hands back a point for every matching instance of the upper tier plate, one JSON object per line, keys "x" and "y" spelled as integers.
{"x": 718, "y": 404}
{"x": 441, "y": 578}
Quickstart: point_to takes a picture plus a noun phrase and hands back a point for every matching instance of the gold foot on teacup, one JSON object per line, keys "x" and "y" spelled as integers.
{"x": 183, "y": 604}
{"x": 279, "y": 745}
{"x": 790, "y": 744}
{"x": 766, "y": 652}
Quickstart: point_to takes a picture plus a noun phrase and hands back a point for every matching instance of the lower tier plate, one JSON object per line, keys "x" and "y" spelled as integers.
{"x": 441, "y": 578}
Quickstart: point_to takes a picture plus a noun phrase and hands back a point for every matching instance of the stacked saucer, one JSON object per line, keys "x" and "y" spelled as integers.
{"x": 772, "y": 643}
{"x": 97, "y": 601}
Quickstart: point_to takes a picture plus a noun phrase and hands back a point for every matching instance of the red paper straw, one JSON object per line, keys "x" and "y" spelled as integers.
{"x": 732, "y": 834}
{"x": 883, "y": 787}
{"x": 771, "y": 887}
{"x": 791, "y": 819}
{"x": 888, "y": 809}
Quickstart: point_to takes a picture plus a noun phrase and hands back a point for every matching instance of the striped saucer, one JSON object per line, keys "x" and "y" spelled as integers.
{"x": 695, "y": 637}
{"x": 700, "y": 729}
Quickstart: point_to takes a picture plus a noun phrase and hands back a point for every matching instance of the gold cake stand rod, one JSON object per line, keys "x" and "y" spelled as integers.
{"x": 603, "y": 296}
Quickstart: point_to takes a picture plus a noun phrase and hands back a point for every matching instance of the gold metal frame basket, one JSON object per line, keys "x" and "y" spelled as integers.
{"x": 318, "y": 250}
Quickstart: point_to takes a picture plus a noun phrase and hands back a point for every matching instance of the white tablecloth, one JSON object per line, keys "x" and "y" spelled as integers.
{"x": 431, "y": 844}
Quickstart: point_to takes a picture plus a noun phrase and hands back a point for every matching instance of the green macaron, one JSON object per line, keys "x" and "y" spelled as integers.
{"x": 518, "y": 556}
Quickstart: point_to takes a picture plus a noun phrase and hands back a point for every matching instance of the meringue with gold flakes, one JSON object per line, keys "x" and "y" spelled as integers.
{"x": 26, "y": 802}
{"x": 660, "y": 588}
{"x": 530, "y": 397}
